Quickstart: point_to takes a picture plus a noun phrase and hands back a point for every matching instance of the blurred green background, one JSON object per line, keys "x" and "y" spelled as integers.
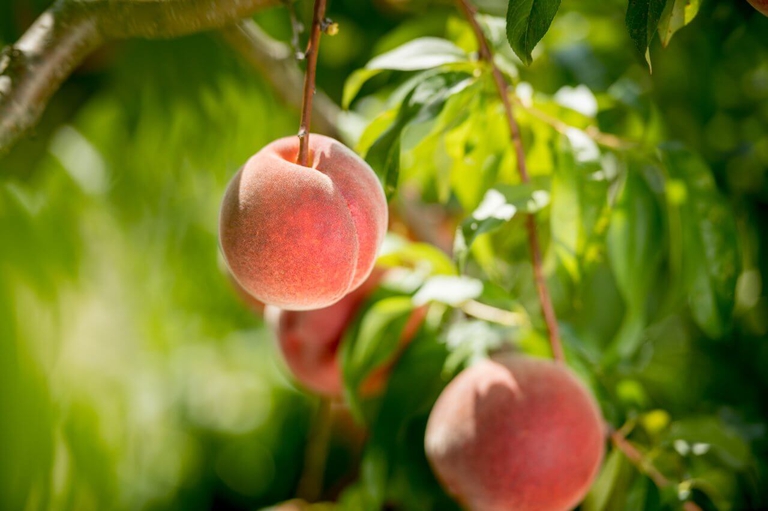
{"x": 132, "y": 376}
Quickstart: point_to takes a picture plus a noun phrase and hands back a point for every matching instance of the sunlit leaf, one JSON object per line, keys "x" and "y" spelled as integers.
{"x": 424, "y": 102}
{"x": 422, "y": 53}
{"x": 676, "y": 15}
{"x": 450, "y": 290}
{"x": 500, "y": 204}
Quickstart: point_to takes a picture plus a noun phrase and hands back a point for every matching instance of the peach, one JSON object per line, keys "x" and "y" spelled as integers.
{"x": 760, "y": 5}
{"x": 302, "y": 237}
{"x": 246, "y": 297}
{"x": 310, "y": 340}
{"x": 516, "y": 433}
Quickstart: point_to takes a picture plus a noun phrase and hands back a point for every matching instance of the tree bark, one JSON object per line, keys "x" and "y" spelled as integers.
{"x": 33, "y": 69}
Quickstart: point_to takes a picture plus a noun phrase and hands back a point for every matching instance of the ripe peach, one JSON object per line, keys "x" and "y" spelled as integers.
{"x": 516, "y": 433}
{"x": 310, "y": 340}
{"x": 760, "y": 5}
{"x": 302, "y": 237}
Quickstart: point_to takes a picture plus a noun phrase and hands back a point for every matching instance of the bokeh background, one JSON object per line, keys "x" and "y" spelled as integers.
{"x": 132, "y": 376}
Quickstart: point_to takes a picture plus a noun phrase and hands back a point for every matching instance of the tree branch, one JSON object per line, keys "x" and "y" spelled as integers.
{"x": 276, "y": 63}
{"x": 514, "y": 131}
{"x": 64, "y": 35}
{"x": 35, "y": 67}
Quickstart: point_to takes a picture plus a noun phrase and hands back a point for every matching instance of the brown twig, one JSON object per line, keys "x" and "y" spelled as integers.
{"x": 514, "y": 130}
{"x": 309, "y": 81}
{"x": 316, "y": 454}
{"x": 639, "y": 461}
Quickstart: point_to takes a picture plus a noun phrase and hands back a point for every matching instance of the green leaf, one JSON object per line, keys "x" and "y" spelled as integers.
{"x": 421, "y": 53}
{"x": 387, "y": 449}
{"x": 710, "y": 254}
{"x": 599, "y": 494}
{"x": 642, "y": 20}
{"x": 565, "y": 220}
{"x": 397, "y": 251}
{"x": 354, "y": 83}
{"x": 372, "y": 343}
{"x": 632, "y": 243}
{"x": 499, "y": 205}
{"x": 423, "y": 103}
{"x": 676, "y": 15}
{"x": 527, "y": 22}
{"x": 722, "y": 441}
{"x": 450, "y": 290}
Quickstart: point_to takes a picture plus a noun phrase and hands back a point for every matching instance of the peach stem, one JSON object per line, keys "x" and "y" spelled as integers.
{"x": 313, "y": 46}
{"x": 514, "y": 130}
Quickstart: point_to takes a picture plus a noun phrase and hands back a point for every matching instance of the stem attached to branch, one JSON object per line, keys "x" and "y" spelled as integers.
{"x": 514, "y": 130}
{"x": 309, "y": 81}
{"x": 276, "y": 63}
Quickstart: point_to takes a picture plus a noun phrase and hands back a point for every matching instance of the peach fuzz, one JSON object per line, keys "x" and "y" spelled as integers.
{"x": 310, "y": 341}
{"x": 302, "y": 237}
{"x": 516, "y": 433}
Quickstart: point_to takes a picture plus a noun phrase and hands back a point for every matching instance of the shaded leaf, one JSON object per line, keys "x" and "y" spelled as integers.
{"x": 633, "y": 238}
{"x": 710, "y": 255}
{"x": 642, "y": 20}
{"x": 726, "y": 444}
{"x": 372, "y": 343}
{"x": 527, "y": 22}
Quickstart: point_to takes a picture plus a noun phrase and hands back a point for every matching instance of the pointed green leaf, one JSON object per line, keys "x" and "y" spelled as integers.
{"x": 642, "y": 20}
{"x": 527, "y": 22}
{"x": 423, "y": 103}
{"x": 422, "y": 53}
{"x": 372, "y": 343}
